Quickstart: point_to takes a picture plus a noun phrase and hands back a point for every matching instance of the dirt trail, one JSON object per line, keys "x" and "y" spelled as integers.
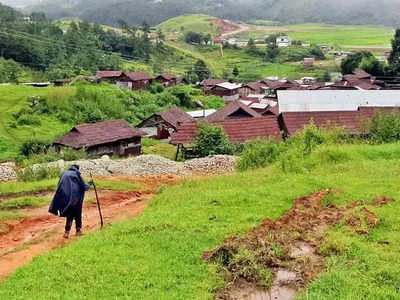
{"x": 39, "y": 232}
{"x": 287, "y": 247}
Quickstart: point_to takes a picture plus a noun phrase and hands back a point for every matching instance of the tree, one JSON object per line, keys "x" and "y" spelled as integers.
{"x": 201, "y": 70}
{"x": 394, "y": 58}
{"x": 235, "y": 72}
{"x": 271, "y": 52}
{"x": 372, "y": 66}
{"x": 207, "y": 39}
{"x": 211, "y": 140}
{"x": 364, "y": 60}
{"x": 193, "y": 37}
{"x": 351, "y": 63}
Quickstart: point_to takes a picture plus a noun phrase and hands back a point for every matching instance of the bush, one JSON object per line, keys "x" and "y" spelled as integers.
{"x": 33, "y": 146}
{"x": 258, "y": 154}
{"x": 69, "y": 154}
{"x": 212, "y": 140}
{"x": 37, "y": 173}
{"x": 385, "y": 128}
{"x": 30, "y": 119}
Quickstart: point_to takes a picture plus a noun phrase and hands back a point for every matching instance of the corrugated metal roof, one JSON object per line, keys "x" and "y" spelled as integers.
{"x": 229, "y": 85}
{"x": 87, "y": 135}
{"x": 335, "y": 100}
{"x": 201, "y": 113}
{"x": 238, "y": 130}
{"x": 230, "y": 109}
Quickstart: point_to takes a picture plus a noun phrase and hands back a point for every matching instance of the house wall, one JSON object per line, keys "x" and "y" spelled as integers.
{"x": 121, "y": 148}
{"x": 218, "y": 91}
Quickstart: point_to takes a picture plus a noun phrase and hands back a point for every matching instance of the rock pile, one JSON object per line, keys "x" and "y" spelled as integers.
{"x": 211, "y": 165}
{"x": 7, "y": 172}
{"x": 136, "y": 166}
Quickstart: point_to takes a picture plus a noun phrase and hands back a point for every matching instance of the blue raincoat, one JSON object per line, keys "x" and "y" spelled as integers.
{"x": 70, "y": 193}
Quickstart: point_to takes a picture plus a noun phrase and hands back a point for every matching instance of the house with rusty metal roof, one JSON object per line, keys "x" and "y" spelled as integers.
{"x": 237, "y": 130}
{"x": 161, "y": 124}
{"x": 227, "y": 90}
{"x": 115, "y": 138}
{"x": 169, "y": 79}
{"x": 354, "y": 122}
{"x": 234, "y": 110}
{"x": 109, "y": 76}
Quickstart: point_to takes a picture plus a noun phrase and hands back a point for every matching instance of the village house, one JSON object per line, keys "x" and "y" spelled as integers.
{"x": 252, "y": 88}
{"x": 234, "y": 110}
{"x": 283, "y": 41}
{"x": 160, "y": 125}
{"x": 169, "y": 79}
{"x": 228, "y": 91}
{"x": 135, "y": 80}
{"x": 108, "y": 76}
{"x": 114, "y": 138}
{"x": 208, "y": 84}
{"x": 309, "y": 62}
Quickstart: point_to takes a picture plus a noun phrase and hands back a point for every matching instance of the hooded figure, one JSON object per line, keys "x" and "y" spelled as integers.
{"x": 68, "y": 200}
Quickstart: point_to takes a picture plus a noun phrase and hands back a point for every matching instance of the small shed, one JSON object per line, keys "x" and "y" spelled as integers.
{"x": 160, "y": 125}
{"x": 115, "y": 138}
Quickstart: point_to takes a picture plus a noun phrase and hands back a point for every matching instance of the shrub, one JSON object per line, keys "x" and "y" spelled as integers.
{"x": 28, "y": 119}
{"x": 33, "y": 146}
{"x": 69, "y": 154}
{"x": 385, "y": 128}
{"x": 258, "y": 154}
{"x": 37, "y": 173}
{"x": 212, "y": 140}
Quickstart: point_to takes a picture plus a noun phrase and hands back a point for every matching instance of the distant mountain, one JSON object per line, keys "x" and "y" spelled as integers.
{"x": 383, "y": 12}
{"x": 20, "y": 3}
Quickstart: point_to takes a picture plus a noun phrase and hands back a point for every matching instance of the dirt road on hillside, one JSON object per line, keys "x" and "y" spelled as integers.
{"x": 39, "y": 232}
{"x": 242, "y": 28}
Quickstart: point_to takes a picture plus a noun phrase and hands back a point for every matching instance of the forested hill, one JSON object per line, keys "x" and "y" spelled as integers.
{"x": 383, "y": 12}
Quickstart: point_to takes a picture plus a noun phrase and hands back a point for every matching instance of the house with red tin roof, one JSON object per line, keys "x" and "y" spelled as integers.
{"x": 169, "y": 79}
{"x": 237, "y": 130}
{"x": 115, "y": 138}
{"x": 234, "y": 110}
{"x": 109, "y": 76}
{"x": 354, "y": 122}
{"x": 160, "y": 125}
{"x": 135, "y": 80}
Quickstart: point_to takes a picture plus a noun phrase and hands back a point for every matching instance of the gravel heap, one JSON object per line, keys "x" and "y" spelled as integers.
{"x": 146, "y": 165}
{"x": 136, "y": 166}
{"x": 211, "y": 165}
{"x": 7, "y": 172}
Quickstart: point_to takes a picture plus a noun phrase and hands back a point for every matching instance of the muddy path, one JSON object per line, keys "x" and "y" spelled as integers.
{"x": 286, "y": 251}
{"x": 38, "y": 232}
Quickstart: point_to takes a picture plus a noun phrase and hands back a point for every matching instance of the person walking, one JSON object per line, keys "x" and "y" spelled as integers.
{"x": 68, "y": 199}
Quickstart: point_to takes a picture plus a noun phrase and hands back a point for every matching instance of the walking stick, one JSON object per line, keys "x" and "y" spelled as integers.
{"x": 98, "y": 202}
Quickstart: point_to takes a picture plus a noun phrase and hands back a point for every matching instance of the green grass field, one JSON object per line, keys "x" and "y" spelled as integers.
{"x": 12, "y": 99}
{"x": 158, "y": 255}
{"x": 336, "y": 35}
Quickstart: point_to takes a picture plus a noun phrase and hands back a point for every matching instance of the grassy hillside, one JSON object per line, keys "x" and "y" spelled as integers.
{"x": 185, "y": 23}
{"x": 158, "y": 255}
{"x": 12, "y": 99}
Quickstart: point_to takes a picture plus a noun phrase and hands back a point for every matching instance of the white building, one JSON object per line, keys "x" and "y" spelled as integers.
{"x": 336, "y": 100}
{"x": 283, "y": 41}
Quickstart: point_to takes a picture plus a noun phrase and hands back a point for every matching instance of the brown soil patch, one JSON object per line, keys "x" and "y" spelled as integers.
{"x": 40, "y": 232}
{"x": 287, "y": 247}
{"x": 223, "y": 26}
